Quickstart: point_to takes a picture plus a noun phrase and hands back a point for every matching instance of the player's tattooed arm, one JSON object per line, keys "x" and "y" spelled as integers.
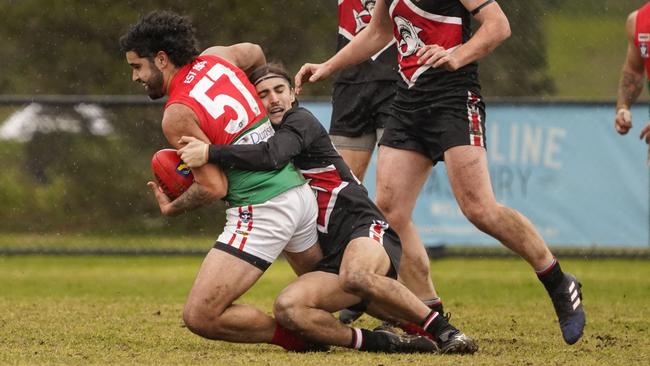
{"x": 195, "y": 197}
{"x": 631, "y": 82}
{"x": 629, "y": 88}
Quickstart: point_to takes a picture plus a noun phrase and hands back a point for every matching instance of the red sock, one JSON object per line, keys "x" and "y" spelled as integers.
{"x": 287, "y": 340}
{"x": 412, "y": 328}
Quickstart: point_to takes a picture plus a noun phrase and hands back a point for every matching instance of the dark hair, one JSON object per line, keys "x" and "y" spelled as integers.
{"x": 162, "y": 31}
{"x": 272, "y": 68}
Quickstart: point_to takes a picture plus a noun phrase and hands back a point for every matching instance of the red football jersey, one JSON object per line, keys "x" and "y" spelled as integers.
{"x": 642, "y": 36}
{"x": 220, "y": 95}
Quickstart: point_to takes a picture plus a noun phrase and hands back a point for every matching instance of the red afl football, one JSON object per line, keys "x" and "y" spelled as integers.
{"x": 173, "y": 176}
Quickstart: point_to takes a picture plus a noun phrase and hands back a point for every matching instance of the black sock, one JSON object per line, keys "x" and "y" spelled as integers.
{"x": 552, "y": 276}
{"x": 366, "y": 340}
{"x": 435, "y": 324}
{"x": 434, "y": 304}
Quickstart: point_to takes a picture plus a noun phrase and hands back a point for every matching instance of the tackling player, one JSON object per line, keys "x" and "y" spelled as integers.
{"x": 361, "y": 251}
{"x": 211, "y": 99}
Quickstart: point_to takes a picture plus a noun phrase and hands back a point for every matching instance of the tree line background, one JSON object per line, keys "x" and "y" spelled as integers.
{"x": 78, "y": 182}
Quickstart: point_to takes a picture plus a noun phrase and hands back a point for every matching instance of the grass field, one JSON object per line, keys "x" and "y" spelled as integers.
{"x": 127, "y": 310}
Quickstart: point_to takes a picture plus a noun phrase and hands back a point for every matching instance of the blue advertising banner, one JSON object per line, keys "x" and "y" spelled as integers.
{"x": 561, "y": 165}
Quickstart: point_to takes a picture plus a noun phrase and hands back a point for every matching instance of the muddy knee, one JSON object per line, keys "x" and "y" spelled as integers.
{"x": 202, "y": 321}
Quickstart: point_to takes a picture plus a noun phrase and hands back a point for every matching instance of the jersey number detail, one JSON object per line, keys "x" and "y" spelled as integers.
{"x": 216, "y": 106}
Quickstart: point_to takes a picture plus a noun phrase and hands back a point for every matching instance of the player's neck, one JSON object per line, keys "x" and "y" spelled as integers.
{"x": 168, "y": 77}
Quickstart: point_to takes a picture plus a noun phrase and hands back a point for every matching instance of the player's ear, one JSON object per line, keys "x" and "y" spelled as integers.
{"x": 161, "y": 60}
{"x": 292, "y": 91}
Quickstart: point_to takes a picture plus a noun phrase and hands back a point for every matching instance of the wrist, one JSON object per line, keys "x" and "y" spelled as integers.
{"x": 206, "y": 153}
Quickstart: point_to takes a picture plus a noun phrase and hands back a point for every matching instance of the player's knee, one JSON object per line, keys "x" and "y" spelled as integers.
{"x": 479, "y": 214}
{"x": 286, "y": 309}
{"x": 397, "y": 218}
{"x": 202, "y": 321}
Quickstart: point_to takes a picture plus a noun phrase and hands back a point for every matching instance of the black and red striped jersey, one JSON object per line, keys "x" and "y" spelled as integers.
{"x": 424, "y": 22}
{"x": 343, "y": 202}
{"x": 353, "y": 17}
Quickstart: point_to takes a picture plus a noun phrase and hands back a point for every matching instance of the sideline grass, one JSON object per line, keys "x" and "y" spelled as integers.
{"x": 127, "y": 310}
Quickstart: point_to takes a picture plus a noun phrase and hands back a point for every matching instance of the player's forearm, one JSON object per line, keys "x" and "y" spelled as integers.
{"x": 247, "y": 157}
{"x": 629, "y": 88}
{"x": 361, "y": 48}
{"x": 195, "y": 197}
{"x": 488, "y": 36}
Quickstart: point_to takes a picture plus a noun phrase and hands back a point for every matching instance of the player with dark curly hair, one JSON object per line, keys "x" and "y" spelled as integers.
{"x": 269, "y": 213}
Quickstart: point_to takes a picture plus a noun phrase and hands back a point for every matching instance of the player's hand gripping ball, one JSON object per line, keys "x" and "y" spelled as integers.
{"x": 172, "y": 174}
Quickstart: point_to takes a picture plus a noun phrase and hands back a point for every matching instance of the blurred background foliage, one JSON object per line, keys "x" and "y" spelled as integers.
{"x": 65, "y": 182}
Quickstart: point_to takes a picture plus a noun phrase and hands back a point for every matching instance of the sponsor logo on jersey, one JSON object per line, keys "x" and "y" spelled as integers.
{"x": 643, "y": 50}
{"x": 183, "y": 169}
{"x": 259, "y": 134}
{"x": 643, "y": 37}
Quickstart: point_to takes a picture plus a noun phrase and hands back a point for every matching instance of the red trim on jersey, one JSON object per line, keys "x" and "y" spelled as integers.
{"x": 476, "y": 137}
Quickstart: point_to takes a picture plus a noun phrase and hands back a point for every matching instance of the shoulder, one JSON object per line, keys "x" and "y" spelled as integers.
{"x": 630, "y": 24}
{"x": 300, "y": 114}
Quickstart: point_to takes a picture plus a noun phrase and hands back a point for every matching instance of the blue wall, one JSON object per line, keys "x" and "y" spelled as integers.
{"x": 561, "y": 165}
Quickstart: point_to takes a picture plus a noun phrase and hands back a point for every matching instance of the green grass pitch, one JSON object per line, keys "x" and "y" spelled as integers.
{"x": 127, "y": 310}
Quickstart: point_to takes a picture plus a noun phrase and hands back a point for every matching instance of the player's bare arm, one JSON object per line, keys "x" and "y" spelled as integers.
{"x": 631, "y": 83}
{"x": 210, "y": 183}
{"x": 363, "y": 46}
{"x": 494, "y": 29}
{"x": 246, "y": 56}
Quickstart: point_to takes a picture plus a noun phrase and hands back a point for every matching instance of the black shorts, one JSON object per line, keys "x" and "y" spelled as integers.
{"x": 388, "y": 239}
{"x": 432, "y": 129}
{"x": 361, "y": 109}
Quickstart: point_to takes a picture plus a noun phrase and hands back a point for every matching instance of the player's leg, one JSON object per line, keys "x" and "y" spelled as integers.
{"x": 353, "y": 126}
{"x": 400, "y": 177}
{"x": 252, "y": 239}
{"x": 356, "y": 158}
{"x": 470, "y": 182}
{"x": 304, "y": 261}
{"x": 302, "y": 250}
{"x": 209, "y": 310}
{"x": 363, "y": 272}
{"x": 305, "y": 308}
